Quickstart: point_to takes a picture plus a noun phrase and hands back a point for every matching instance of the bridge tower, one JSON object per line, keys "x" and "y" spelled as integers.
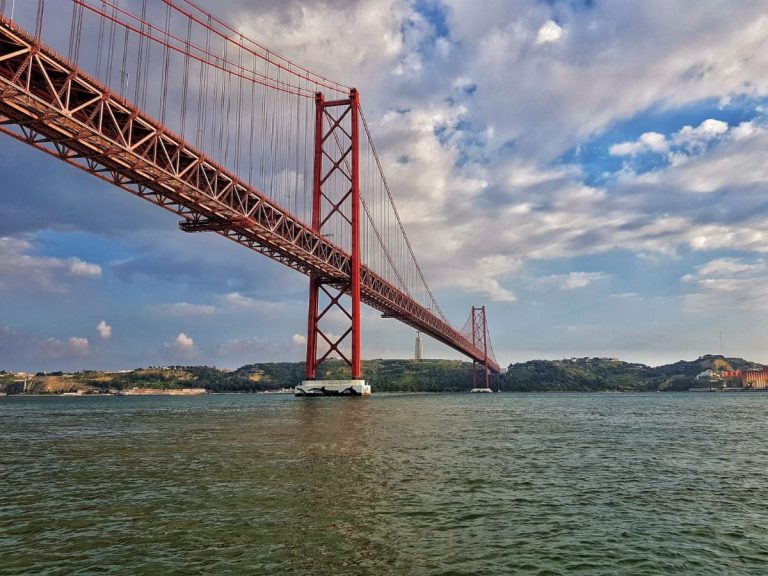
{"x": 336, "y": 216}
{"x": 480, "y": 371}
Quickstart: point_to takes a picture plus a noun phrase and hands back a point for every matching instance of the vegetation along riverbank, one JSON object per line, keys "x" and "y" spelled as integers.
{"x": 567, "y": 375}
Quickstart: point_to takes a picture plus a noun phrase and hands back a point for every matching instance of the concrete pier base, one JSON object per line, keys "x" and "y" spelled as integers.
{"x": 333, "y": 388}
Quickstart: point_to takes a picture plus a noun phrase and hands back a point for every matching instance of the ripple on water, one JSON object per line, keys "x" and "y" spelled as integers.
{"x": 397, "y": 484}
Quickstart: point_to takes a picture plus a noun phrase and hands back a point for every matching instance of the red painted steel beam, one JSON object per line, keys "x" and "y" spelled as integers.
{"x": 51, "y": 105}
{"x": 357, "y": 370}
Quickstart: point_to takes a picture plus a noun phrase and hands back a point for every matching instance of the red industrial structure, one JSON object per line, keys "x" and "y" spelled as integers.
{"x": 748, "y": 378}
{"x": 480, "y": 371}
{"x": 342, "y": 161}
{"x": 275, "y": 168}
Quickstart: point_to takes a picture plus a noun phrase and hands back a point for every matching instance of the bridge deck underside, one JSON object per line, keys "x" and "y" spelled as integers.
{"x": 49, "y": 104}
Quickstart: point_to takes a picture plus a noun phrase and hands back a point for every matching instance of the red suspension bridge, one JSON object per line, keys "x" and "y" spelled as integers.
{"x": 173, "y": 105}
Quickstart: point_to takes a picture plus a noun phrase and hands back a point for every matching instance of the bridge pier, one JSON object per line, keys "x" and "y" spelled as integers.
{"x": 333, "y": 388}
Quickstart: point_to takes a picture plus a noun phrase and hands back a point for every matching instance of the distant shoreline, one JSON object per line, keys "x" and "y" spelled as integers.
{"x": 715, "y": 372}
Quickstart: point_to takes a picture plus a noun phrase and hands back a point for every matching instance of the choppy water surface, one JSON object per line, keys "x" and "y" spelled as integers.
{"x": 412, "y": 484}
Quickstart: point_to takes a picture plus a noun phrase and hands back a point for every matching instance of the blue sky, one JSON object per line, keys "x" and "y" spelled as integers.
{"x": 591, "y": 171}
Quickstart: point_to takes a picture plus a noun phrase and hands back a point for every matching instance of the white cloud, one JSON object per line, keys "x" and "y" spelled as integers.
{"x": 686, "y": 142}
{"x": 18, "y": 348}
{"x": 83, "y": 269}
{"x": 299, "y": 340}
{"x": 482, "y": 276}
{"x": 79, "y": 345}
{"x": 727, "y": 284}
{"x": 182, "y": 347}
{"x": 184, "y": 342}
{"x": 550, "y": 32}
{"x": 743, "y": 130}
{"x": 22, "y": 269}
{"x": 57, "y": 349}
{"x": 238, "y": 300}
{"x": 648, "y": 142}
{"x": 185, "y": 309}
{"x": 730, "y": 266}
{"x": 576, "y": 280}
{"x": 708, "y": 130}
{"x": 733, "y": 161}
{"x": 105, "y": 330}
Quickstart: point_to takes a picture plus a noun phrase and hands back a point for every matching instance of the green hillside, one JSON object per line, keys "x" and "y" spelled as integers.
{"x": 610, "y": 374}
{"x": 571, "y": 375}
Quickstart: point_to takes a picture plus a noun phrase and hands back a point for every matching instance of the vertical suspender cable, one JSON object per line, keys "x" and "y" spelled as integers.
{"x": 99, "y": 48}
{"x": 222, "y": 94}
{"x": 273, "y": 152}
{"x": 250, "y": 134}
{"x": 137, "y": 89}
{"x": 185, "y": 85}
{"x": 111, "y": 48}
{"x": 70, "y": 50}
{"x": 226, "y": 126}
{"x": 39, "y": 21}
{"x": 297, "y": 159}
{"x": 166, "y": 64}
{"x": 123, "y": 70}
{"x": 78, "y": 35}
{"x": 145, "y": 82}
{"x": 238, "y": 117}
{"x": 263, "y": 127}
{"x": 202, "y": 100}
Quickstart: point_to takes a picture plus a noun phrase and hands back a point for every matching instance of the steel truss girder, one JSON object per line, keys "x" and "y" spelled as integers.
{"x": 48, "y": 103}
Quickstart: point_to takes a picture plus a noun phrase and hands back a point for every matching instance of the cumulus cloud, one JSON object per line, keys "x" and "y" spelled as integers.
{"x": 550, "y": 32}
{"x": 183, "y": 347}
{"x": 730, "y": 160}
{"x": 21, "y": 268}
{"x": 688, "y": 141}
{"x": 79, "y": 345}
{"x": 21, "y": 350}
{"x": 727, "y": 284}
{"x": 53, "y": 348}
{"x": 299, "y": 340}
{"x": 83, "y": 269}
{"x": 184, "y": 342}
{"x": 709, "y": 129}
{"x": 105, "y": 330}
{"x": 649, "y": 141}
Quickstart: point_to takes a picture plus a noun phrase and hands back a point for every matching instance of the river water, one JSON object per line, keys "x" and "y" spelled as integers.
{"x": 396, "y": 484}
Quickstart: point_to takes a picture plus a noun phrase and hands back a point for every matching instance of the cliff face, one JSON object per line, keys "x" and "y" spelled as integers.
{"x": 44, "y": 385}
